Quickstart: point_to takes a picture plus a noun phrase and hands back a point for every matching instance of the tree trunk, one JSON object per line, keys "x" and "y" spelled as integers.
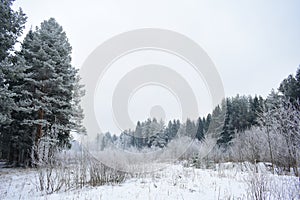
{"x": 39, "y": 133}
{"x": 270, "y": 149}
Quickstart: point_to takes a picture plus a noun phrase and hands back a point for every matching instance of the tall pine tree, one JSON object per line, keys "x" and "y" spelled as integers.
{"x": 48, "y": 93}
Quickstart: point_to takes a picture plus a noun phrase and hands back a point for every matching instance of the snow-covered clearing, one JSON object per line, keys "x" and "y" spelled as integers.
{"x": 227, "y": 181}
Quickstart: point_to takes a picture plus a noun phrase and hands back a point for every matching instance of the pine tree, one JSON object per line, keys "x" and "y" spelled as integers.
{"x": 51, "y": 90}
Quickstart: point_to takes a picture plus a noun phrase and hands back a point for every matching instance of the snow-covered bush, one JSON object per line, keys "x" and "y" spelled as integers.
{"x": 75, "y": 169}
{"x": 263, "y": 186}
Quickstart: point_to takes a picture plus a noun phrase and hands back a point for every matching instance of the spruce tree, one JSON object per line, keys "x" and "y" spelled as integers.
{"x": 200, "y": 130}
{"x": 228, "y": 128}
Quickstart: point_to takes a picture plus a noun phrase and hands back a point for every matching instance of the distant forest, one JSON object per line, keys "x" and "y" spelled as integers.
{"x": 241, "y": 114}
{"x": 252, "y": 128}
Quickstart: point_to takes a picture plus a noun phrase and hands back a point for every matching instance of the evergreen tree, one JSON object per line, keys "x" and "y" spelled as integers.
{"x": 126, "y": 139}
{"x": 215, "y": 121}
{"x": 158, "y": 137}
{"x": 200, "y": 130}
{"x": 114, "y": 138}
{"x": 190, "y": 128}
{"x": 168, "y": 131}
{"x": 11, "y": 141}
{"x": 77, "y": 115}
{"x": 298, "y": 74}
{"x": 47, "y": 94}
{"x": 175, "y": 128}
{"x": 20, "y": 132}
{"x": 253, "y": 112}
{"x": 11, "y": 27}
{"x": 6, "y": 101}
{"x": 107, "y": 140}
{"x": 290, "y": 86}
{"x": 146, "y": 132}
{"x": 137, "y": 140}
{"x": 228, "y": 129}
{"x": 206, "y": 122}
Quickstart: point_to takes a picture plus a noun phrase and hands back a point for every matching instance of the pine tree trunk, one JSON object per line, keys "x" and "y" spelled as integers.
{"x": 39, "y": 133}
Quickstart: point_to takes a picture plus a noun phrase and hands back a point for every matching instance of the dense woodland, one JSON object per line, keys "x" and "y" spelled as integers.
{"x": 241, "y": 113}
{"x": 40, "y": 91}
{"x": 40, "y": 107}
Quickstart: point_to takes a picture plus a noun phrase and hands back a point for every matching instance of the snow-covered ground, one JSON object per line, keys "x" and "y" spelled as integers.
{"x": 226, "y": 181}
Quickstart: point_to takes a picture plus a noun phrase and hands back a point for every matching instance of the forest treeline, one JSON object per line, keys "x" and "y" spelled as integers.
{"x": 245, "y": 128}
{"x": 241, "y": 113}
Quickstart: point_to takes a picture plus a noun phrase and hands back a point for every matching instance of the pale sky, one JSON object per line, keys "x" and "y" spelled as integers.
{"x": 254, "y": 44}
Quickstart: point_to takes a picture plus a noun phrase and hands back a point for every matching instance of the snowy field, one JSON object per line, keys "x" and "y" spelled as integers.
{"x": 225, "y": 181}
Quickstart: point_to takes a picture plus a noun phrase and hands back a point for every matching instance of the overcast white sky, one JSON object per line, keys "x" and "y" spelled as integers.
{"x": 254, "y": 44}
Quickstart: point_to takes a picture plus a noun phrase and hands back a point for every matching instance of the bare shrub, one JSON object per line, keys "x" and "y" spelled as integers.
{"x": 67, "y": 170}
{"x": 257, "y": 186}
{"x": 261, "y": 186}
